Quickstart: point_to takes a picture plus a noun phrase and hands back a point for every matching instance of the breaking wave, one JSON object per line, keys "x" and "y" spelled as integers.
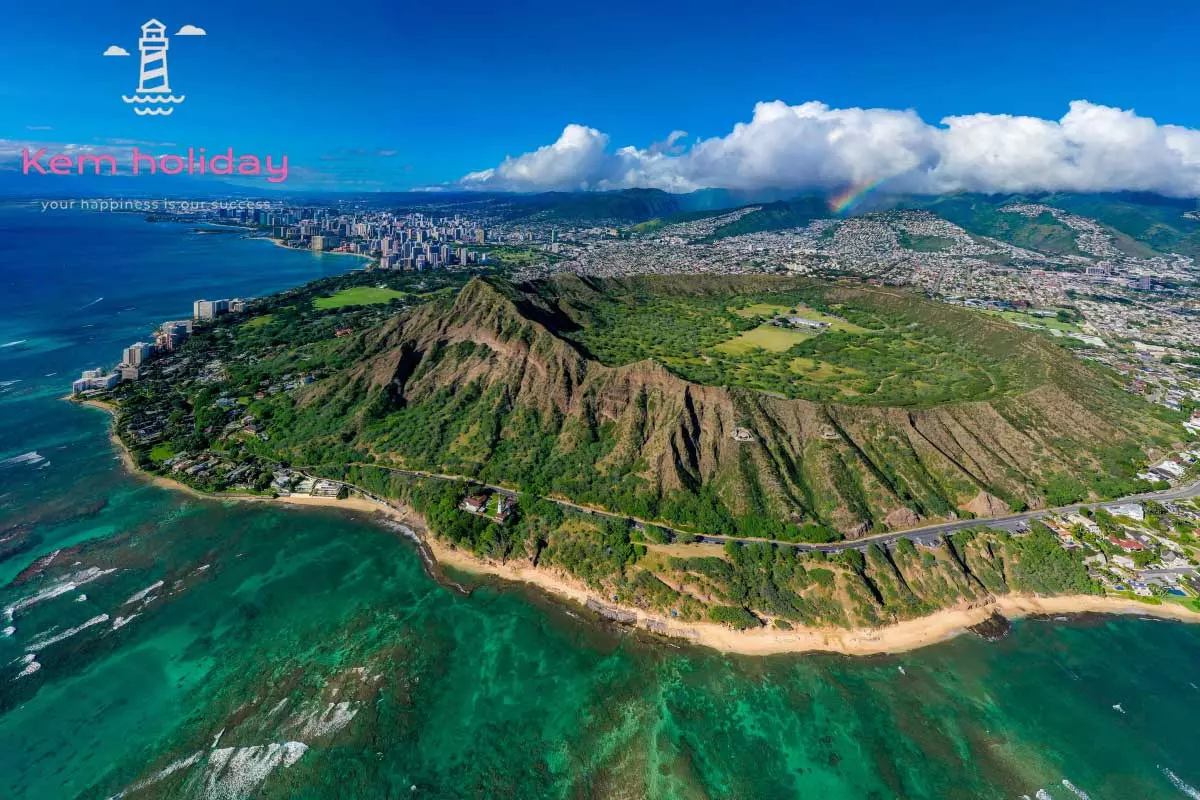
{"x": 1178, "y": 783}
{"x": 143, "y": 593}
{"x": 31, "y": 458}
{"x": 41, "y": 644}
{"x": 235, "y": 773}
{"x": 1080, "y": 793}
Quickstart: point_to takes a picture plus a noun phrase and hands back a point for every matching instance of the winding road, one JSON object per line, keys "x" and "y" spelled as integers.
{"x": 928, "y": 535}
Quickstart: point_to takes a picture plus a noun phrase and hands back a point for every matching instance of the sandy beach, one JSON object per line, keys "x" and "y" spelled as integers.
{"x": 285, "y": 246}
{"x": 895, "y": 638}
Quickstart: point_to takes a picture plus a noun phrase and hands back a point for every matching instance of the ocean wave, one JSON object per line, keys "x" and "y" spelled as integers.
{"x": 235, "y": 773}
{"x": 319, "y": 722}
{"x": 1080, "y": 793}
{"x": 41, "y": 644}
{"x": 165, "y": 772}
{"x": 6, "y": 384}
{"x": 1042, "y": 794}
{"x": 69, "y": 585}
{"x": 142, "y": 593}
{"x": 1178, "y": 783}
{"x": 13, "y": 344}
{"x": 31, "y": 458}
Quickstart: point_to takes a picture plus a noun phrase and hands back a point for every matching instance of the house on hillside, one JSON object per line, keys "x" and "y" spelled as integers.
{"x": 1132, "y": 510}
{"x": 504, "y": 508}
{"x": 1128, "y": 545}
{"x": 475, "y": 504}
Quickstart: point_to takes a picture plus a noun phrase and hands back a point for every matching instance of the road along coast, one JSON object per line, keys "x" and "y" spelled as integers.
{"x": 895, "y": 638}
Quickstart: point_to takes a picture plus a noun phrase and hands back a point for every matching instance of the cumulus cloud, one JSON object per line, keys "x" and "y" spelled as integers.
{"x": 191, "y": 30}
{"x": 1091, "y": 148}
{"x": 578, "y": 160}
{"x": 115, "y": 50}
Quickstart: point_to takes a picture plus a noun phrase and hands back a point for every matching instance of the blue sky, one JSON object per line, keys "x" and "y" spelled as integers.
{"x": 414, "y": 94}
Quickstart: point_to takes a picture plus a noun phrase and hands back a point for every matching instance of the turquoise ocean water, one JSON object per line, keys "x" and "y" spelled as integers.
{"x": 191, "y": 648}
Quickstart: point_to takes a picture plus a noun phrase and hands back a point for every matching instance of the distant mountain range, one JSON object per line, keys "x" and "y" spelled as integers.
{"x": 1144, "y": 223}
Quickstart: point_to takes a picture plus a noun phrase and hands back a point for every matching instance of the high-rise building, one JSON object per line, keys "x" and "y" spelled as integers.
{"x": 173, "y": 334}
{"x": 479, "y": 235}
{"x": 95, "y": 379}
{"x": 318, "y": 243}
{"x": 209, "y": 309}
{"x": 138, "y": 353}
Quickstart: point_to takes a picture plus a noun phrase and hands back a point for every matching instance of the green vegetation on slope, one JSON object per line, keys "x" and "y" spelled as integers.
{"x": 870, "y": 354}
{"x": 777, "y": 216}
{"x": 474, "y": 385}
{"x": 1156, "y": 223}
{"x": 981, "y": 215}
{"x": 358, "y": 296}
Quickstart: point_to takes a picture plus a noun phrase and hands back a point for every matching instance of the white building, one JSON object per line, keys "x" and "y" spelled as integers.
{"x": 137, "y": 354}
{"x": 209, "y": 309}
{"x": 95, "y": 379}
{"x": 1132, "y": 510}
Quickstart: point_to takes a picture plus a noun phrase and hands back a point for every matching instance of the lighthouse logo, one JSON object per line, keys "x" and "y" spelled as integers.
{"x": 153, "y": 96}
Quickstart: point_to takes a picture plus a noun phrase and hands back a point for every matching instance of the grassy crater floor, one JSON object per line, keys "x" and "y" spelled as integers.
{"x": 862, "y": 354}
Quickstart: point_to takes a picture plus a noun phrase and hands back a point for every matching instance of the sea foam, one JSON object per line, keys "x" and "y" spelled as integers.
{"x": 1178, "y": 783}
{"x": 142, "y": 593}
{"x": 235, "y": 773}
{"x": 41, "y": 644}
{"x": 333, "y": 718}
{"x": 33, "y": 457}
{"x": 72, "y": 583}
{"x": 1082, "y": 795}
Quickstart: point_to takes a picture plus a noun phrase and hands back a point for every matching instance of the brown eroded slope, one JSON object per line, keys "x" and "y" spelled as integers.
{"x": 484, "y": 385}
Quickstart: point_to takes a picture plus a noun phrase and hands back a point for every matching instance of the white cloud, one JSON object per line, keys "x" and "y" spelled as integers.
{"x": 578, "y": 160}
{"x": 1092, "y": 148}
{"x": 191, "y": 30}
{"x": 115, "y": 50}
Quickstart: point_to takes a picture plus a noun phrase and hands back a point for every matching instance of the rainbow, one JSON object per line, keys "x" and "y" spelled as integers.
{"x": 847, "y": 198}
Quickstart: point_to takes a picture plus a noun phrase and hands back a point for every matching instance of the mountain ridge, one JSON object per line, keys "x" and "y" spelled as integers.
{"x": 489, "y": 392}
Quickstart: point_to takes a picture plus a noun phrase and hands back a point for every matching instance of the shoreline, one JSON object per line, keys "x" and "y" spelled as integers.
{"x": 897, "y": 637}
{"x": 280, "y": 243}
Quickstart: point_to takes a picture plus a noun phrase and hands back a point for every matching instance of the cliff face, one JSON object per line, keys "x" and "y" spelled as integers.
{"x": 484, "y": 383}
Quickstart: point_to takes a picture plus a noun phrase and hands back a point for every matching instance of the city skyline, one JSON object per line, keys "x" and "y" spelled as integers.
{"x": 537, "y": 97}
